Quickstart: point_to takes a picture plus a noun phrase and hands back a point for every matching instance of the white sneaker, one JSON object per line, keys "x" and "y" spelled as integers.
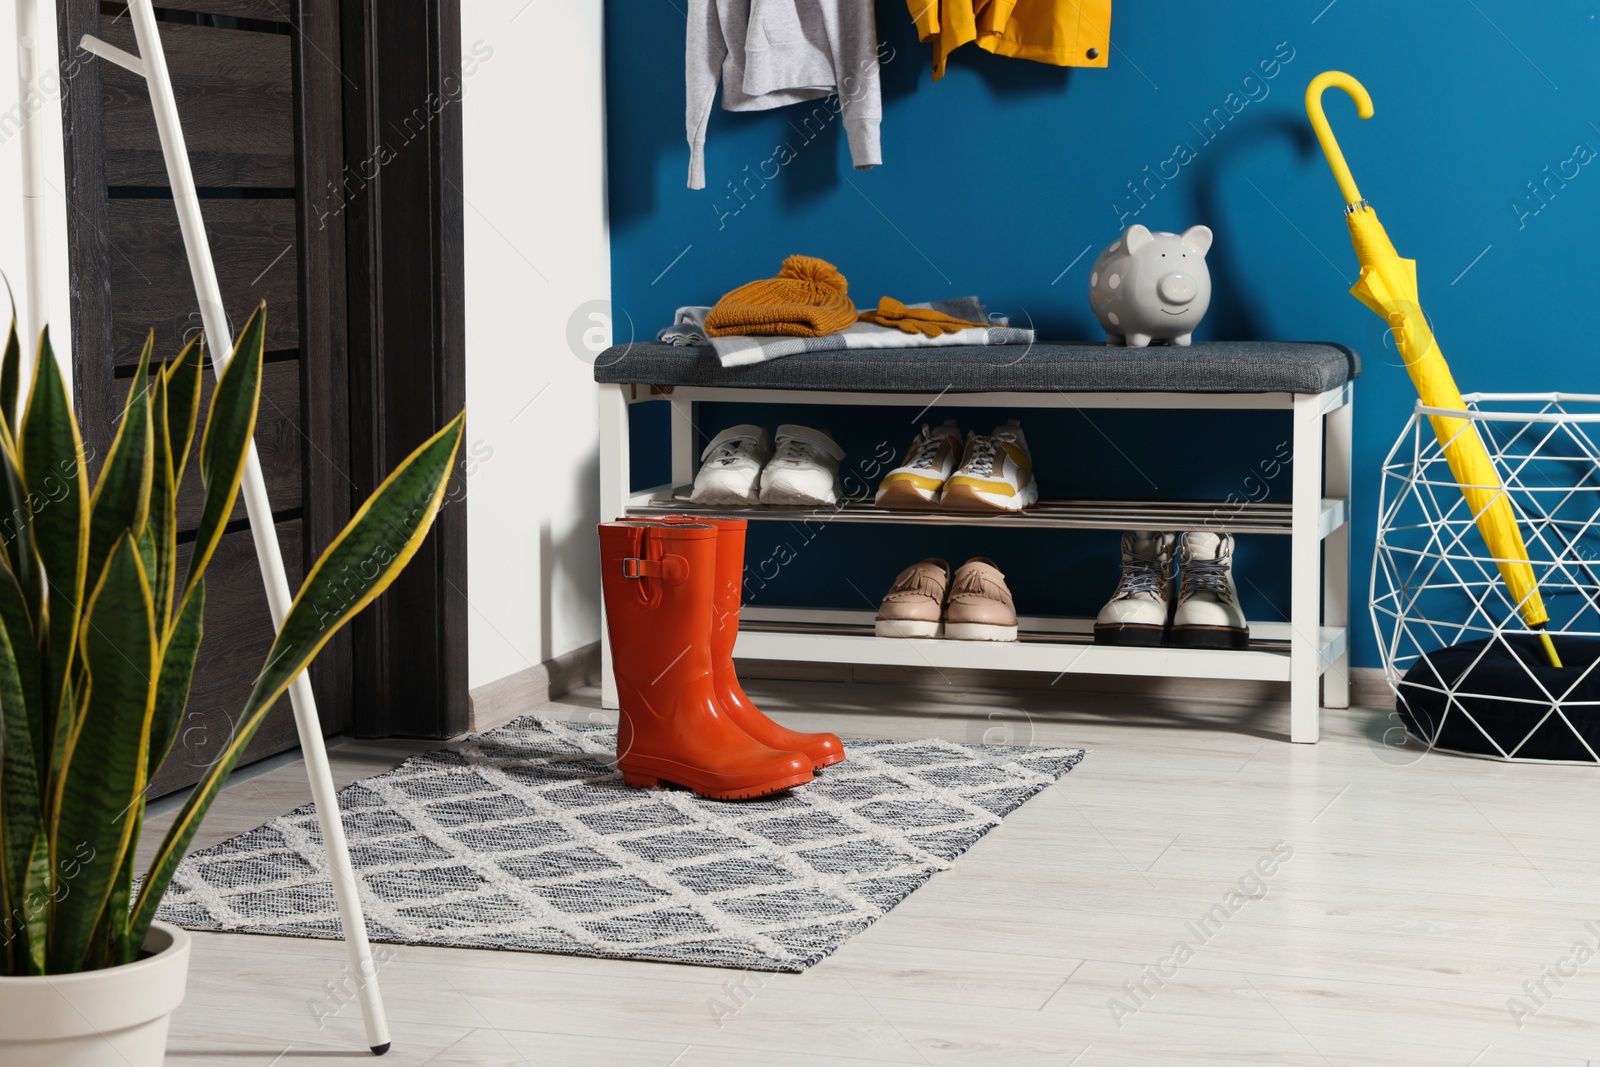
{"x": 996, "y": 473}
{"x": 804, "y": 469}
{"x": 1138, "y": 612}
{"x": 929, "y": 463}
{"x": 730, "y": 467}
{"x": 1208, "y": 614}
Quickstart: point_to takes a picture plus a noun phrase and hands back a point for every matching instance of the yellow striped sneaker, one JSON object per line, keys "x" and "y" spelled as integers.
{"x": 929, "y": 461}
{"x": 996, "y": 473}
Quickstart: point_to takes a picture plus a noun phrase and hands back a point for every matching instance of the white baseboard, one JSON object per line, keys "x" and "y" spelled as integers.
{"x": 1369, "y": 688}
{"x": 498, "y": 702}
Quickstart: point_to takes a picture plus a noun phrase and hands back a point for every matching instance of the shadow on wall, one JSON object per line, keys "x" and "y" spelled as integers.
{"x": 642, "y": 127}
{"x": 574, "y": 558}
{"x": 820, "y": 152}
{"x": 1007, "y": 80}
{"x": 1232, "y": 313}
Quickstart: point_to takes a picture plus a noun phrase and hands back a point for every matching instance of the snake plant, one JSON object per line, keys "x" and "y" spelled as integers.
{"x": 99, "y": 632}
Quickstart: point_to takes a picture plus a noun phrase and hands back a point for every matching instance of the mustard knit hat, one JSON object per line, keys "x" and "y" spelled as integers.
{"x": 808, "y": 298}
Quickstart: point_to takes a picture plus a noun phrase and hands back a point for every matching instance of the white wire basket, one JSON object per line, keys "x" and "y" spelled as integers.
{"x": 1436, "y": 586}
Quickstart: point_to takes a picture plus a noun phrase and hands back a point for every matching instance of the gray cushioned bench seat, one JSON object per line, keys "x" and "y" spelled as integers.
{"x": 1218, "y": 367}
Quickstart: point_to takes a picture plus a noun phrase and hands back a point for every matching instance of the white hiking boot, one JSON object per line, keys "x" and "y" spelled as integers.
{"x": 804, "y": 469}
{"x": 1139, "y": 611}
{"x": 929, "y": 463}
{"x": 730, "y": 467}
{"x": 1208, "y": 613}
{"x": 996, "y": 473}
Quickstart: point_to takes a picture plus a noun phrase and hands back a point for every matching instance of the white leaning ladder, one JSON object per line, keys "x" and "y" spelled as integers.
{"x": 151, "y": 65}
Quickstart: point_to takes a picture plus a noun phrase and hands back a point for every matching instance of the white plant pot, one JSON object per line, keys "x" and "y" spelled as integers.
{"x": 111, "y": 1018}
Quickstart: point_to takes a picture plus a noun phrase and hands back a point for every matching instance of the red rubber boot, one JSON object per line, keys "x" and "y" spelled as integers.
{"x": 821, "y": 749}
{"x": 657, "y": 580}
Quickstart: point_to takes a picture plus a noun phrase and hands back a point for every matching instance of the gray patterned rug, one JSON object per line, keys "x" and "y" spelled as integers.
{"x": 525, "y": 838}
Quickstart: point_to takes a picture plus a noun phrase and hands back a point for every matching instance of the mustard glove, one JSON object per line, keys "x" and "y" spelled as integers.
{"x": 925, "y": 321}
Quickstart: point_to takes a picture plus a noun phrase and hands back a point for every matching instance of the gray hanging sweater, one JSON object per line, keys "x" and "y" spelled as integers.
{"x": 769, "y": 53}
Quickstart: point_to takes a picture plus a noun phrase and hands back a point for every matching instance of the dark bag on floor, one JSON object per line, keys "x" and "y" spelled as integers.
{"x": 1508, "y": 690}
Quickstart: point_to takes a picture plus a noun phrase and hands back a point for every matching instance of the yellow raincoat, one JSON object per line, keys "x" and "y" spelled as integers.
{"x": 1066, "y": 33}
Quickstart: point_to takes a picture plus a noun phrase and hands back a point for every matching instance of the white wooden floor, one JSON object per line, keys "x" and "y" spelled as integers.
{"x": 1423, "y": 891}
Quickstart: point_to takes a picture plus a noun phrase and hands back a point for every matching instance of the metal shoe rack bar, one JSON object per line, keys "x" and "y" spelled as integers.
{"x": 1310, "y": 652}
{"x": 1232, "y": 517}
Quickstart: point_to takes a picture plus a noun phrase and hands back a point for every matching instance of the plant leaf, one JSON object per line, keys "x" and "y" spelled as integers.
{"x": 177, "y": 670}
{"x": 163, "y": 521}
{"x": 229, "y": 426}
{"x": 369, "y": 553}
{"x": 8, "y": 925}
{"x": 16, "y": 527}
{"x": 102, "y": 771}
{"x": 10, "y": 372}
{"x": 111, "y": 945}
{"x": 35, "y": 902}
{"x": 146, "y": 544}
{"x": 53, "y": 467}
{"x": 121, "y": 500}
{"x": 69, "y": 699}
{"x": 22, "y": 813}
{"x": 183, "y": 404}
{"x": 24, "y": 644}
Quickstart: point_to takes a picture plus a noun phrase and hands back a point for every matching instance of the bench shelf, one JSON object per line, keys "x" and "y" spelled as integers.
{"x": 1310, "y": 652}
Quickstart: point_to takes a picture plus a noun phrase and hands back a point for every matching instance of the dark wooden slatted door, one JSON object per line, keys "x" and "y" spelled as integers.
{"x": 261, "y": 103}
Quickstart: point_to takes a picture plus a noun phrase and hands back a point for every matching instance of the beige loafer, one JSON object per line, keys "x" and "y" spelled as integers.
{"x": 914, "y": 605}
{"x": 980, "y": 606}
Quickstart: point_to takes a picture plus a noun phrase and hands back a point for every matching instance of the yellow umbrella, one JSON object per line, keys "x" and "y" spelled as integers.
{"x": 1388, "y": 285}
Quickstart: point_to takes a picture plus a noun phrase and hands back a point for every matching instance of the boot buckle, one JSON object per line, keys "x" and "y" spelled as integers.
{"x": 641, "y": 568}
{"x": 671, "y": 569}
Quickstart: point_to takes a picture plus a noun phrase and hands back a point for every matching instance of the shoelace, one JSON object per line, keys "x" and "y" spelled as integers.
{"x": 727, "y": 452}
{"x": 792, "y": 451}
{"x": 982, "y": 461}
{"x": 1140, "y": 574}
{"x": 1206, "y": 576}
{"x": 927, "y": 451}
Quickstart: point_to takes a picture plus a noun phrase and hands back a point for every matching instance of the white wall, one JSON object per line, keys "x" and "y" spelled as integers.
{"x": 537, "y": 252}
{"x": 13, "y": 261}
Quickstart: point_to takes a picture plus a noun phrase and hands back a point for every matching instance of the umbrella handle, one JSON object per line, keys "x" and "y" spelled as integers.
{"x": 1337, "y": 79}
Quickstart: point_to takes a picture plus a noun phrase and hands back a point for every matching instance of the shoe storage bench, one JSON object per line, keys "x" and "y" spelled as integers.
{"x": 1312, "y": 381}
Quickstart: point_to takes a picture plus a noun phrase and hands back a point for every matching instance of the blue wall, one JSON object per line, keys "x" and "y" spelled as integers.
{"x": 1000, "y": 174}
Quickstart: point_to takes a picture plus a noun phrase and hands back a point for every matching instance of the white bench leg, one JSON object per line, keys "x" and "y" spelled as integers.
{"x": 1305, "y": 570}
{"x": 684, "y": 452}
{"x": 614, "y": 489}
{"x": 1336, "y": 551}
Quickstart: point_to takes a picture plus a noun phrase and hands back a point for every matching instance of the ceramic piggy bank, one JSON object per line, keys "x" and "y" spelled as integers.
{"x": 1152, "y": 286}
